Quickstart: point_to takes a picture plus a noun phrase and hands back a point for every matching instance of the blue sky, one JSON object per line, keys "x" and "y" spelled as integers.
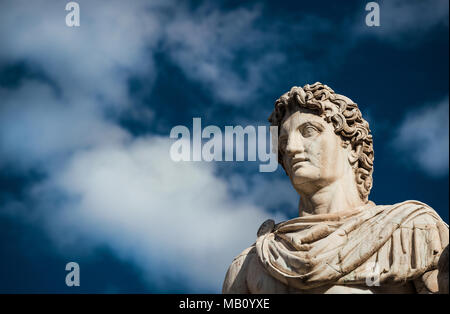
{"x": 86, "y": 112}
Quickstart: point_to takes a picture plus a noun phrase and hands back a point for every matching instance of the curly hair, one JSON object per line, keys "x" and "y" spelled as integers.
{"x": 346, "y": 119}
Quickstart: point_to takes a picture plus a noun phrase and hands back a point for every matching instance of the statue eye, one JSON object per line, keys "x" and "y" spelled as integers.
{"x": 309, "y": 130}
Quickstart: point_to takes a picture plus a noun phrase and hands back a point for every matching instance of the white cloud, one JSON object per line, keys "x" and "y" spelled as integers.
{"x": 424, "y": 135}
{"x": 173, "y": 220}
{"x": 208, "y": 44}
{"x": 119, "y": 38}
{"x": 104, "y": 187}
{"x": 94, "y": 59}
{"x": 37, "y": 127}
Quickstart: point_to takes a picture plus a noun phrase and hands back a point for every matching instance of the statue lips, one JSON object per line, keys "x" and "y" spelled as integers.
{"x": 297, "y": 162}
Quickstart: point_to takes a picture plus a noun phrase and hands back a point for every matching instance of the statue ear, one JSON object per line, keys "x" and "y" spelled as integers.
{"x": 353, "y": 155}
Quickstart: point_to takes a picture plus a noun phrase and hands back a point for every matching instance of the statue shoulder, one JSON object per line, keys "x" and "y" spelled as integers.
{"x": 412, "y": 212}
{"x": 236, "y": 277}
{"x": 429, "y": 239}
{"x": 420, "y": 223}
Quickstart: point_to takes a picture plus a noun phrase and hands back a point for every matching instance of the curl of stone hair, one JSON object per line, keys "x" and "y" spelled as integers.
{"x": 347, "y": 121}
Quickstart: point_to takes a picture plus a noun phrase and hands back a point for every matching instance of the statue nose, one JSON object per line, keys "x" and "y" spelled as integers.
{"x": 295, "y": 145}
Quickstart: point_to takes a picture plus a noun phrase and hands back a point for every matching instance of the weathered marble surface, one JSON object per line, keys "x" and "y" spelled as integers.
{"x": 341, "y": 242}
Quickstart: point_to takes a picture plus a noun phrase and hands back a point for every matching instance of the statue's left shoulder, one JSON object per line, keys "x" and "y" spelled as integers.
{"x": 431, "y": 239}
{"x": 416, "y": 213}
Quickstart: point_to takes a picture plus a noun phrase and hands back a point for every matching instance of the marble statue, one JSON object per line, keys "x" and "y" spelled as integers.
{"x": 341, "y": 242}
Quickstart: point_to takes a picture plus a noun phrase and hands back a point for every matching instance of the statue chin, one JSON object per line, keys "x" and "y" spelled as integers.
{"x": 304, "y": 175}
{"x": 309, "y": 180}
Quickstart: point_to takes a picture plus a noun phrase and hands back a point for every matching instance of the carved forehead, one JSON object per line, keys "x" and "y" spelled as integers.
{"x": 295, "y": 117}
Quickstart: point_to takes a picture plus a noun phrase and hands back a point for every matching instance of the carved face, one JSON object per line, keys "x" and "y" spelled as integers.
{"x": 313, "y": 155}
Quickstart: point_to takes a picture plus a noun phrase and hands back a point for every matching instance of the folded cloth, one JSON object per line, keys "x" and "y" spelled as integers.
{"x": 395, "y": 243}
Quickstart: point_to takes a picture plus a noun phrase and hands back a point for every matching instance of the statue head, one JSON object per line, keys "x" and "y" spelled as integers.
{"x": 322, "y": 138}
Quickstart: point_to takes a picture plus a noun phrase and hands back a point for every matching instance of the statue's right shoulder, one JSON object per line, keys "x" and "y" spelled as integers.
{"x": 236, "y": 277}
